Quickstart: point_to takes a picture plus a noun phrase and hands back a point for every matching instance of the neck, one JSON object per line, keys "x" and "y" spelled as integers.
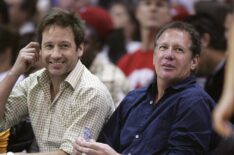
{"x": 54, "y": 87}
{"x": 161, "y": 87}
{"x": 147, "y": 38}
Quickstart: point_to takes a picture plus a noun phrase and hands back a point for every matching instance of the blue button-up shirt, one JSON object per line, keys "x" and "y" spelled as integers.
{"x": 179, "y": 123}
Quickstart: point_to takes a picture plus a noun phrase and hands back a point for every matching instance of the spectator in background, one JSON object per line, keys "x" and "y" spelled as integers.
{"x": 210, "y": 25}
{"x": 22, "y": 14}
{"x": 138, "y": 66}
{"x": 99, "y": 26}
{"x": 213, "y": 57}
{"x": 106, "y": 71}
{"x": 172, "y": 115}
{"x": 61, "y": 99}
{"x": 110, "y": 39}
{"x": 123, "y": 18}
{"x": 7, "y": 51}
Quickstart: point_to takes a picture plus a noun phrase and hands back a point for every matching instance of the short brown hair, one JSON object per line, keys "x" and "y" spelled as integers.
{"x": 65, "y": 19}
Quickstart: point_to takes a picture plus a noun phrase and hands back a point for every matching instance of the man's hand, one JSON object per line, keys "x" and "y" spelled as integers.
{"x": 27, "y": 57}
{"x": 81, "y": 147}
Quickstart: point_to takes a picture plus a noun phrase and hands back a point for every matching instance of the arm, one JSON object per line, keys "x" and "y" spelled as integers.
{"x": 109, "y": 138}
{"x": 91, "y": 109}
{"x": 225, "y": 108}
{"x": 26, "y": 58}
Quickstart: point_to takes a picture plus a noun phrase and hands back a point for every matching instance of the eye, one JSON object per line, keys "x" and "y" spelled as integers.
{"x": 64, "y": 46}
{"x": 179, "y": 50}
{"x": 161, "y": 4}
{"x": 48, "y": 46}
{"x": 162, "y": 47}
{"x": 146, "y": 2}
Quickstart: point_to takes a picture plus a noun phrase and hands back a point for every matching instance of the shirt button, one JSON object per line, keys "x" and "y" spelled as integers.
{"x": 137, "y": 136}
{"x": 151, "y": 102}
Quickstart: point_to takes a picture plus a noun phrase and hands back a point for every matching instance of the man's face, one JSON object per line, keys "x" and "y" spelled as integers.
{"x": 153, "y": 13}
{"x": 59, "y": 51}
{"x": 173, "y": 57}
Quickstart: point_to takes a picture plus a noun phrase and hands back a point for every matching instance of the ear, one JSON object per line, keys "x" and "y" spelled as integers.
{"x": 205, "y": 40}
{"x": 80, "y": 50}
{"x": 194, "y": 62}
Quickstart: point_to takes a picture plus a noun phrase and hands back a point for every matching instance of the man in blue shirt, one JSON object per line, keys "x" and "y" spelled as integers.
{"x": 172, "y": 116}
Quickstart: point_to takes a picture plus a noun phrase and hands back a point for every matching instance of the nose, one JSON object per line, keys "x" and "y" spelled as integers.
{"x": 169, "y": 54}
{"x": 153, "y": 7}
{"x": 56, "y": 53}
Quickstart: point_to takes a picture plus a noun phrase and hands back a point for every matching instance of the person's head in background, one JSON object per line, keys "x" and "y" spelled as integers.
{"x": 176, "y": 53}
{"x": 92, "y": 46}
{"x": 8, "y": 48}
{"x": 111, "y": 41}
{"x": 123, "y": 18}
{"x": 151, "y": 15}
{"x": 21, "y": 11}
{"x": 99, "y": 19}
{"x": 210, "y": 24}
{"x": 4, "y": 14}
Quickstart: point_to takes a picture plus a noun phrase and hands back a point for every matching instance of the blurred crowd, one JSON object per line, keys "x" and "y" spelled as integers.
{"x": 119, "y": 43}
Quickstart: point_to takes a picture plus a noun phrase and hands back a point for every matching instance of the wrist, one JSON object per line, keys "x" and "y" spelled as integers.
{"x": 12, "y": 72}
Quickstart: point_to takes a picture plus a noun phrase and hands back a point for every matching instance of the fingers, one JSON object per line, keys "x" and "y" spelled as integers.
{"x": 75, "y": 150}
{"x": 27, "y": 57}
{"x": 87, "y": 148}
{"x": 221, "y": 123}
{"x": 222, "y": 114}
{"x": 33, "y": 47}
{"x": 30, "y": 53}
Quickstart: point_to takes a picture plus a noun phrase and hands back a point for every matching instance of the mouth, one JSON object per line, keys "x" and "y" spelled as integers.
{"x": 57, "y": 64}
{"x": 168, "y": 66}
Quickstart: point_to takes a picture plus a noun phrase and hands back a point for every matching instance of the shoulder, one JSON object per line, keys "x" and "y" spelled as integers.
{"x": 195, "y": 96}
{"x": 132, "y": 98}
{"x": 32, "y": 79}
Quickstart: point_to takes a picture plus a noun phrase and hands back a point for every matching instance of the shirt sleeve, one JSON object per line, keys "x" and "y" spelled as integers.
{"x": 192, "y": 129}
{"x": 92, "y": 109}
{"x": 16, "y": 106}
